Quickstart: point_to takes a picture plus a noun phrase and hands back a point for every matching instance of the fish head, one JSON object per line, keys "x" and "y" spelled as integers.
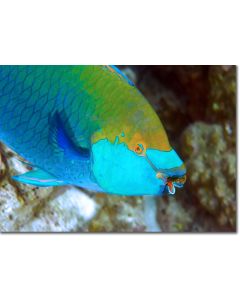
{"x": 136, "y": 170}
{"x": 132, "y": 155}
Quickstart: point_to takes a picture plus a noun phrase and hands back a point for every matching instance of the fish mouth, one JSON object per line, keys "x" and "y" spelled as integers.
{"x": 173, "y": 178}
{"x": 169, "y": 169}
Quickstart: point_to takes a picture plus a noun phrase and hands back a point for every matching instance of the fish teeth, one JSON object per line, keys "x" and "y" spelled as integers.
{"x": 171, "y": 188}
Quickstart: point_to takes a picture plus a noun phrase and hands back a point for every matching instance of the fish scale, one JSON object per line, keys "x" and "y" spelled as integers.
{"x": 29, "y": 113}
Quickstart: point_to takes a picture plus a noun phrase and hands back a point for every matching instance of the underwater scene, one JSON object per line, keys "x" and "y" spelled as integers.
{"x": 118, "y": 149}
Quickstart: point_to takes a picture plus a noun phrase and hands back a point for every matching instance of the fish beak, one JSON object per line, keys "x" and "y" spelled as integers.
{"x": 169, "y": 168}
{"x": 173, "y": 178}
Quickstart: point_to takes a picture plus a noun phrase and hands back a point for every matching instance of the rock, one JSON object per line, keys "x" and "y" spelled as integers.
{"x": 68, "y": 210}
{"x": 221, "y": 107}
{"x": 211, "y": 171}
{"x": 173, "y": 216}
{"x": 9, "y": 205}
{"x": 150, "y": 214}
{"x": 118, "y": 214}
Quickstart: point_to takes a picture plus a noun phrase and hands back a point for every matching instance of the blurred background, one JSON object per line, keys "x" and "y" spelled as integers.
{"x": 197, "y": 106}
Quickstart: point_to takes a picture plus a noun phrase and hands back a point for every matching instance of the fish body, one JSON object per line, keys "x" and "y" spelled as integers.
{"x": 87, "y": 126}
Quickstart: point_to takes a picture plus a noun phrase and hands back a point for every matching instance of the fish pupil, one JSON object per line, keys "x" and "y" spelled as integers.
{"x": 139, "y": 148}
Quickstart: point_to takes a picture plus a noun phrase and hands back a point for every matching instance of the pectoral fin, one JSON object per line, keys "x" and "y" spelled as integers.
{"x": 62, "y": 142}
{"x": 39, "y": 178}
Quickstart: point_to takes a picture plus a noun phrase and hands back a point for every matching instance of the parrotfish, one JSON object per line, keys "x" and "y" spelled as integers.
{"x": 87, "y": 126}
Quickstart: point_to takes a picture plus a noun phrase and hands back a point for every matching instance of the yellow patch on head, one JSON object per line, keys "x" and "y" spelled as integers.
{"x": 137, "y": 144}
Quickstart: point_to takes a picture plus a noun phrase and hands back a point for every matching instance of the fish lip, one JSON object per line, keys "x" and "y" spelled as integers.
{"x": 173, "y": 178}
{"x": 177, "y": 181}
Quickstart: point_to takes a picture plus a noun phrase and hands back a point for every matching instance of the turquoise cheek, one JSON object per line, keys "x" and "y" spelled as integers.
{"x": 120, "y": 171}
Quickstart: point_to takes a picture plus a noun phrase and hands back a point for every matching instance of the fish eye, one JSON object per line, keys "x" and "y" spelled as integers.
{"x": 139, "y": 149}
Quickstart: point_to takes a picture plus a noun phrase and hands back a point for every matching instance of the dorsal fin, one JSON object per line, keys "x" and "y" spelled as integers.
{"x": 121, "y": 74}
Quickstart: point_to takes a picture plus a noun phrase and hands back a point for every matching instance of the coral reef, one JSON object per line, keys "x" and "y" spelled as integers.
{"x": 118, "y": 214}
{"x": 211, "y": 171}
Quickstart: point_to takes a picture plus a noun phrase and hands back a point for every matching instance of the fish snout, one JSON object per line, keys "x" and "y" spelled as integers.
{"x": 169, "y": 168}
{"x": 173, "y": 178}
